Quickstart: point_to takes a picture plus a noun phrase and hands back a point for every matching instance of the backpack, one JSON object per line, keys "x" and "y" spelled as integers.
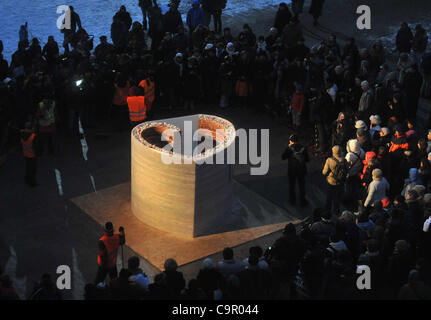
{"x": 340, "y": 172}
{"x": 300, "y": 160}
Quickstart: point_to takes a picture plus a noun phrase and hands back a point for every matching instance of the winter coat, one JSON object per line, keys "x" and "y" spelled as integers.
{"x": 354, "y": 157}
{"x": 377, "y": 191}
{"x": 365, "y": 101}
{"x": 398, "y": 143}
{"x": 291, "y": 35}
{"x": 195, "y": 17}
{"x": 316, "y": 7}
{"x": 282, "y": 18}
{"x": 420, "y": 41}
{"x": 403, "y": 40}
{"x": 124, "y": 17}
{"x": 192, "y": 83}
{"x": 297, "y": 157}
{"x": 119, "y": 33}
{"x": 329, "y": 168}
{"x": 297, "y": 102}
{"x": 171, "y": 20}
{"x": 411, "y": 182}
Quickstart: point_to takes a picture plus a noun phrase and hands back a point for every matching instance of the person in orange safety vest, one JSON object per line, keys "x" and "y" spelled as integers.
{"x": 27, "y": 140}
{"x": 108, "y": 252}
{"x": 148, "y": 85}
{"x": 137, "y": 106}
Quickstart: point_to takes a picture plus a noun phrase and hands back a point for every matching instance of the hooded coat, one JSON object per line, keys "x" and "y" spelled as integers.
{"x": 411, "y": 182}
{"x": 354, "y": 157}
{"x": 195, "y": 16}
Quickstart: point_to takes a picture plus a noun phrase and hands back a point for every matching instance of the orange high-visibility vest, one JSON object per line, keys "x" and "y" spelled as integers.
{"x": 137, "y": 108}
{"x": 149, "y": 93}
{"x": 27, "y": 145}
{"x": 111, "y": 244}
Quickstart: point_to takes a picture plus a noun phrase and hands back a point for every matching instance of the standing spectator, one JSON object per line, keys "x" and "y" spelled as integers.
{"x": 228, "y": 266}
{"x": 124, "y": 16}
{"x": 297, "y": 157}
{"x": 75, "y": 21}
{"x": 45, "y": 290}
{"x": 297, "y": 105}
{"x": 50, "y": 50}
{"x": 420, "y": 42}
{"x": 415, "y": 288}
{"x": 366, "y": 98}
{"x": 155, "y": 29}
{"x": 209, "y": 278}
{"x": 120, "y": 110}
{"x": 174, "y": 279}
{"x": 335, "y": 170}
{"x": 316, "y": 10}
{"x": 404, "y": 38}
{"x": 282, "y": 17}
{"x": 195, "y": 16}
{"x": 27, "y": 140}
{"x": 292, "y": 33}
{"x": 108, "y": 252}
{"x": 297, "y": 7}
{"x": 378, "y": 189}
{"x": 119, "y": 33}
{"x": 172, "y": 19}
{"x": 46, "y": 116}
{"x": 145, "y": 6}
{"x": 137, "y": 277}
{"x": 214, "y": 8}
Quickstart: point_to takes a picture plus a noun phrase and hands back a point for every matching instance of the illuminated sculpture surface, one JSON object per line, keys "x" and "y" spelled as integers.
{"x": 186, "y": 197}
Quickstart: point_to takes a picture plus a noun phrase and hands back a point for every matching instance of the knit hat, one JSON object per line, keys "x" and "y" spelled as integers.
{"x": 360, "y": 124}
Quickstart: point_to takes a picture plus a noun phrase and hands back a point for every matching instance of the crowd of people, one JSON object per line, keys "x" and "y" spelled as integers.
{"x": 357, "y": 104}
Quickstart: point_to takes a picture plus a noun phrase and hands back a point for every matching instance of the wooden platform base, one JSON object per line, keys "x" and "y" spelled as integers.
{"x": 251, "y": 217}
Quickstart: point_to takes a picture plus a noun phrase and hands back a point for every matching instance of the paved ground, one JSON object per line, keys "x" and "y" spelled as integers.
{"x": 41, "y": 229}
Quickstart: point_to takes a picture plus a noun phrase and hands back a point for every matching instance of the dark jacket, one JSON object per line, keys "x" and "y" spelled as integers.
{"x": 195, "y": 17}
{"x": 171, "y": 20}
{"x": 297, "y": 157}
{"x": 403, "y": 40}
{"x": 282, "y": 18}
